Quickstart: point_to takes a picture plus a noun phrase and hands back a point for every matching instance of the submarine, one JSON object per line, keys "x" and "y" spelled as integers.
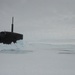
{"x": 7, "y": 37}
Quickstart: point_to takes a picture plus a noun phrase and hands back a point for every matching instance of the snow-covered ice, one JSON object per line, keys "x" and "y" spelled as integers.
{"x": 38, "y": 59}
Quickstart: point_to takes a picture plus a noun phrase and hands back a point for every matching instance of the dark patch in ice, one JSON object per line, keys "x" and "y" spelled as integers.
{"x": 13, "y": 51}
{"x": 67, "y": 52}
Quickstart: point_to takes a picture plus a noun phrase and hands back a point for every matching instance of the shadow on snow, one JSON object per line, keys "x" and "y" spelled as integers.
{"x": 13, "y": 51}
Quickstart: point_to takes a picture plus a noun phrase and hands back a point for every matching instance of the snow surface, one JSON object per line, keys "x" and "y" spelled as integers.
{"x": 30, "y": 58}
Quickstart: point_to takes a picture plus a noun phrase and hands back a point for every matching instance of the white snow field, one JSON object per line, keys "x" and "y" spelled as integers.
{"x": 37, "y": 59}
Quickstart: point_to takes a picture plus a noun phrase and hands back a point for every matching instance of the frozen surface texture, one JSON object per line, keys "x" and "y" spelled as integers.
{"x": 38, "y": 59}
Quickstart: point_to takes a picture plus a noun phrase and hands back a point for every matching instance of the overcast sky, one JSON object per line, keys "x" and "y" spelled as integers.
{"x": 39, "y": 19}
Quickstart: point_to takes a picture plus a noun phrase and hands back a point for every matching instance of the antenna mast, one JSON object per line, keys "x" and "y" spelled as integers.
{"x": 12, "y": 25}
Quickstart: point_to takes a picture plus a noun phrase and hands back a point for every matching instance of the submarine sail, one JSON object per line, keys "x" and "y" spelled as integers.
{"x": 7, "y": 37}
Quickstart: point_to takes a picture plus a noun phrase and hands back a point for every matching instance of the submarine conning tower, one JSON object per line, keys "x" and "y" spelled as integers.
{"x": 7, "y": 37}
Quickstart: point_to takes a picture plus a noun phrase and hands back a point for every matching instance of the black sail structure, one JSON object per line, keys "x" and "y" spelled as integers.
{"x": 7, "y": 37}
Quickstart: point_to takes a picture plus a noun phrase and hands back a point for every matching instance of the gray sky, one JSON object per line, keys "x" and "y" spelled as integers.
{"x": 39, "y": 19}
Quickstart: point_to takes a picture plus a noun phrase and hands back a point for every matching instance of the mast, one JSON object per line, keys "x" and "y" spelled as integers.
{"x": 12, "y": 25}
